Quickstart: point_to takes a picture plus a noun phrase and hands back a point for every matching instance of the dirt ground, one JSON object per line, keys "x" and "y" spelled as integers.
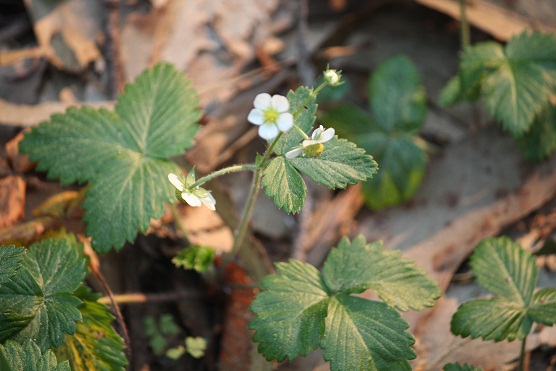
{"x": 55, "y": 54}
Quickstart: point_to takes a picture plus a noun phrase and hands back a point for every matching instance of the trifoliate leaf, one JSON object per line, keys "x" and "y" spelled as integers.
{"x": 540, "y": 141}
{"x": 199, "y": 258}
{"x": 10, "y": 261}
{"x": 291, "y": 312}
{"x": 284, "y": 185}
{"x": 517, "y": 81}
{"x": 38, "y": 303}
{"x": 195, "y": 346}
{"x": 124, "y": 154}
{"x": 398, "y": 102}
{"x": 303, "y": 108}
{"x": 28, "y": 357}
{"x": 301, "y": 309}
{"x": 341, "y": 163}
{"x": 508, "y": 271}
{"x": 167, "y": 325}
{"x": 176, "y": 352}
{"x": 458, "y": 367}
{"x": 95, "y": 345}
{"x": 357, "y": 266}
{"x": 365, "y": 335}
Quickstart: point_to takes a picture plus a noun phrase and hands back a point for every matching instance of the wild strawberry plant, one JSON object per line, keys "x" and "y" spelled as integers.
{"x": 124, "y": 157}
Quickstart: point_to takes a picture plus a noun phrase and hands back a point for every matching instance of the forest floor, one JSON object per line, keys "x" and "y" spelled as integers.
{"x": 477, "y": 184}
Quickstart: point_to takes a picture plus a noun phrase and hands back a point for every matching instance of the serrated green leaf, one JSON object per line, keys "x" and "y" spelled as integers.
{"x": 507, "y": 270}
{"x": 540, "y": 141}
{"x": 543, "y": 307}
{"x": 38, "y": 303}
{"x": 491, "y": 319}
{"x": 199, "y": 258}
{"x": 397, "y": 98}
{"x": 284, "y": 185}
{"x": 95, "y": 345}
{"x": 290, "y": 313}
{"x": 301, "y": 309}
{"x": 10, "y": 261}
{"x": 303, "y": 108}
{"x": 341, "y": 163}
{"x": 458, "y": 367}
{"x": 28, "y": 357}
{"x": 376, "y": 342}
{"x": 356, "y": 266}
{"x": 515, "y": 82}
{"x": 124, "y": 154}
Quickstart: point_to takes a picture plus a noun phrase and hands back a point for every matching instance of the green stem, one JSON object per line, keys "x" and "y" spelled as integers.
{"x": 301, "y": 132}
{"x": 226, "y": 170}
{"x": 522, "y": 355}
{"x": 464, "y": 31}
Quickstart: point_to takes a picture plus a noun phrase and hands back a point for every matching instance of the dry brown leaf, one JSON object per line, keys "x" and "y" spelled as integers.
{"x": 67, "y": 31}
{"x": 32, "y": 115}
{"x": 20, "y": 162}
{"x": 12, "y": 200}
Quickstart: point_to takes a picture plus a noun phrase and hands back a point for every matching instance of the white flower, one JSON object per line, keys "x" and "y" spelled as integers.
{"x": 194, "y": 197}
{"x": 332, "y": 77}
{"x": 271, "y": 114}
{"x": 309, "y": 146}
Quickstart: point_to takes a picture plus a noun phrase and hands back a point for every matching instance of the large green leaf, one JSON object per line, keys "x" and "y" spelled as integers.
{"x": 397, "y": 280}
{"x": 284, "y": 185}
{"x": 375, "y": 333}
{"x": 508, "y": 271}
{"x": 301, "y": 309}
{"x": 124, "y": 154}
{"x": 38, "y": 302}
{"x": 10, "y": 261}
{"x": 28, "y": 357}
{"x": 399, "y": 107}
{"x": 95, "y": 345}
{"x": 291, "y": 312}
{"x": 303, "y": 108}
{"x": 516, "y": 82}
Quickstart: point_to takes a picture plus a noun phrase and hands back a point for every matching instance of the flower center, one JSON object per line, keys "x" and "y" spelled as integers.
{"x": 270, "y": 115}
{"x": 314, "y": 150}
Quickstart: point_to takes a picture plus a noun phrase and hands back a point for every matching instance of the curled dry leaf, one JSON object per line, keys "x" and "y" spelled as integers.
{"x": 12, "y": 200}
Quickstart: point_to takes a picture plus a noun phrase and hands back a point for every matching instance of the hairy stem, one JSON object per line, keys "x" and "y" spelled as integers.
{"x": 226, "y": 170}
{"x": 522, "y": 355}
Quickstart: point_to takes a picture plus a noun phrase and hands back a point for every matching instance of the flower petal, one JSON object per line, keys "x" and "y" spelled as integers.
{"x": 280, "y": 103}
{"x": 262, "y": 101}
{"x": 294, "y": 153}
{"x": 309, "y": 142}
{"x": 327, "y": 135}
{"x": 176, "y": 182}
{"x": 191, "y": 199}
{"x": 317, "y": 133}
{"x": 256, "y": 116}
{"x": 268, "y": 131}
{"x": 209, "y": 201}
{"x": 285, "y": 121}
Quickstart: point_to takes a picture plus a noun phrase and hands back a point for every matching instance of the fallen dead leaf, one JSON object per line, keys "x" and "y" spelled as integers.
{"x": 20, "y": 162}
{"x": 12, "y": 200}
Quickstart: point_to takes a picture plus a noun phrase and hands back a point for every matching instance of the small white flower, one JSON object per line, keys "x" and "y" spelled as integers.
{"x": 318, "y": 137}
{"x": 332, "y": 77}
{"x": 194, "y": 197}
{"x": 271, "y": 114}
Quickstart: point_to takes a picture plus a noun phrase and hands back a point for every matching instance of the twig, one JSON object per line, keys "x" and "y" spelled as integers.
{"x": 112, "y": 51}
{"x": 140, "y": 298}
